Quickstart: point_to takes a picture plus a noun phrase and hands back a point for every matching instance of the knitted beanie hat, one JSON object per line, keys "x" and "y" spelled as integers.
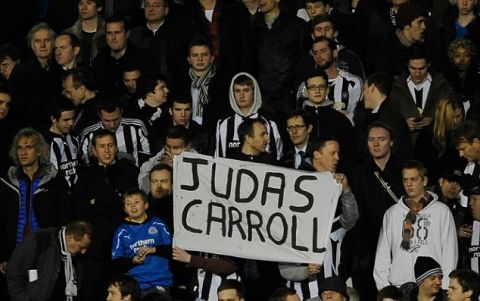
{"x": 335, "y": 284}
{"x": 426, "y": 267}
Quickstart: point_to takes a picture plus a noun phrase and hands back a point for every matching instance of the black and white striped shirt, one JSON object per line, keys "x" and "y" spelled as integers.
{"x": 131, "y": 139}
{"x": 307, "y": 288}
{"x": 346, "y": 91}
{"x": 207, "y": 283}
{"x": 227, "y": 140}
{"x": 64, "y": 154}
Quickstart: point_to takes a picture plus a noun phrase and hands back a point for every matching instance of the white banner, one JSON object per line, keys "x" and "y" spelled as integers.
{"x": 252, "y": 210}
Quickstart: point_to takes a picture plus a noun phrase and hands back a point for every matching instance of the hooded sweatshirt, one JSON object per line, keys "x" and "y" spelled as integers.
{"x": 227, "y": 140}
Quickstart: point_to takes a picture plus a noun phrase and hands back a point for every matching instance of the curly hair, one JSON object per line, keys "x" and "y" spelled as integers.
{"x": 41, "y": 146}
{"x": 462, "y": 43}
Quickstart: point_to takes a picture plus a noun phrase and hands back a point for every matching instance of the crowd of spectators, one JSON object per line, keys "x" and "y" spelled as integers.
{"x": 97, "y": 97}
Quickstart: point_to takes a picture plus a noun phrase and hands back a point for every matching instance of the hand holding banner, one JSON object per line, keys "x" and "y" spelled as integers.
{"x": 252, "y": 210}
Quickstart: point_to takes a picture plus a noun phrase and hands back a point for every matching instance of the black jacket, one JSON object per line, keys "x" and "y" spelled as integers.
{"x": 373, "y": 199}
{"x": 169, "y": 44}
{"x": 235, "y": 52}
{"x": 277, "y": 52}
{"x": 108, "y": 71}
{"x": 330, "y": 122}
{"x": 33, "y": 89}
{"x": 98, "y": 199}
{"x": 39, "y": 251}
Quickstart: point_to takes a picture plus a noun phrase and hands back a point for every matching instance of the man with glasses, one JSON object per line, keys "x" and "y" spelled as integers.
{"x": 299, "y": 127}
{"x": 345, "y": 88}
{"x": 246, "y": 102}
{"x": 328, "y": 121}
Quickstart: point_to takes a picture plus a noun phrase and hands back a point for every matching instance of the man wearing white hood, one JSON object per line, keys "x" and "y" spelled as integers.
{"x": 245, "y": 100}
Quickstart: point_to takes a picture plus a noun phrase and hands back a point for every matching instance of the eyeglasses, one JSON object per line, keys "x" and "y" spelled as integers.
{"x": 319, "y": 87}
{"x": 295, "y": 127}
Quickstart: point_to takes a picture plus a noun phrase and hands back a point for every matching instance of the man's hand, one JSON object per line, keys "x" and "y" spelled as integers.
{"x": 181, "y": 255}
{"x": 415, "y": 124}
{"x": 342, "y": 179}
{"x": 313, "y": 269}
{"x": 168, "y": 158}
{"x": 465, "y": 231}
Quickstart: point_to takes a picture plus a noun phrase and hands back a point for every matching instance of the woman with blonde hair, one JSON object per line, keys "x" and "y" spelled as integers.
{"x": 435, "y": 146}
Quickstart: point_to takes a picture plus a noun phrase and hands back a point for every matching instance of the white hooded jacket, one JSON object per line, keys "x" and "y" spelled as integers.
{"x": 227, "y": 129}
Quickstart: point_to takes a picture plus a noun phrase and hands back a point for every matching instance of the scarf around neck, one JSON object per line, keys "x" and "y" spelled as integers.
{"x": 202, "y": 82}
{"x": 411, "y": 218}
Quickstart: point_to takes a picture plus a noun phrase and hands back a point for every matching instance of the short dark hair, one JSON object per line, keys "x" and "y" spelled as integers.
{"x": 468, "y": 280}
{"x": 160, "y": 167}
{"x": 108, "y": 104}
{"x": 281, "y": 294}
{"x": 316, "y": 73}
{"x": 130, "y": 66}
{"x": 390, "y": 292}
{"x": 468, "y": 131}
{"x": 246, "y": 128}
{"x": 116, "y": 19}
{"x": 60, "y": 105}
{"x": 200, "y": 41}
{"x": 418, "y": 51}
{"x": 103, "y": 133}
{"x": 178, "y": 132}
{"x": 127, "y": 285}
{"x": 415, "y": 164}
{"x": 74, "y": 40}
{"x": 147, "y": 83}
{"x": 232, "y": 284}
{"x": 11, "y": 51}
{"x": 320, "y": 142}
{"x": 330, "y": 43}
{"x": 325, "y": 2}
{"x": 81, "y": 76}
{"x": 382, "y": 81}
{"x": 378, "y": 124}
{"x": 99, "y": 3}
{"x": 78, "y": 229}
{"x": 243, "y": 80}
{"x": 304, "y": 114}
{"x": 180, "y": 97}
{"x": 134, "y": 191}
{"x": 323, "y": 18}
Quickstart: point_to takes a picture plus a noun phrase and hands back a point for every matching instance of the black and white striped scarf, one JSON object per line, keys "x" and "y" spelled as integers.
{"x": 201, "y": 83}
